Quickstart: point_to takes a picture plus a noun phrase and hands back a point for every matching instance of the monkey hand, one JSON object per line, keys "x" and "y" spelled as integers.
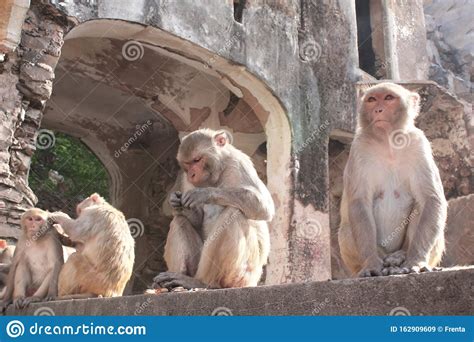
{"x": 18, "y": 302}
{"x": 175, "y": 200}
{"x": 170, "y": 280}
{"x": 28, "y": 300}
{"x": 58, "y": 217}
{"x": 196, "y": 197}
{"x": 395, "y": 259}
{"x": 392, "y": 263}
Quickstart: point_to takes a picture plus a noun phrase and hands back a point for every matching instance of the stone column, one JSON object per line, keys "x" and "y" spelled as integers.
{"x": 26, "y": 80}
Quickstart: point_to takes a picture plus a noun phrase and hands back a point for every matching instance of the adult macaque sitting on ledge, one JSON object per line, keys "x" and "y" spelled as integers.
{"x": 219, "y": 234}
{"x": 393, "y": 209}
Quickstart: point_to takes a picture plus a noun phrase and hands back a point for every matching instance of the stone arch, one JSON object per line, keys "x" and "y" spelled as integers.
{"x": 129, "y": 91}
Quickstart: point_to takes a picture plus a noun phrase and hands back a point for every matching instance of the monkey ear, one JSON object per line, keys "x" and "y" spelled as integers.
{"x": 96, "y": 198}
{"x": 222, "y": 138}
{"x": 415, "y": 98}
{"x": 415, "y": 102}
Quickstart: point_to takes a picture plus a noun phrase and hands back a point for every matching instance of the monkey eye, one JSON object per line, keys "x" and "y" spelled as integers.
{"x": 389, "y": 97}
{"x": 371, "y": 99}
{"x": 197, "y": 160}
{"x": 38, "y": 219}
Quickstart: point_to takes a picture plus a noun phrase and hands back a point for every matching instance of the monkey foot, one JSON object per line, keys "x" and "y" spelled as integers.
{"x": 171, "y": 280}
{"x": 394, "y": 270}
{"x": 395, "y": 259}
{"x": 424, "y": 269}
{"x": 370, "y": 272}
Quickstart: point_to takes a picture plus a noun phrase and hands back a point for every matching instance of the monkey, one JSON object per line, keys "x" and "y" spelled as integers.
{"x": 103, "y": 263}
{"x": 37, "y": 261}
{"x": 393, "y": 208}
{"x": 6, "y": 258}
{"x": 219, "y": 235}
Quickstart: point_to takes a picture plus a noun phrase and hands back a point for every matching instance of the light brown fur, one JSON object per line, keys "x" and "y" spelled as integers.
{"x": 219, "y": 236}
{"x": 393, "y": 209}
{"x": 104, "y": 263}
{"x": 36, "y": 262}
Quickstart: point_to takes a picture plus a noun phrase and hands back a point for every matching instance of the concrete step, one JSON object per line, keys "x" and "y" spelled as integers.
{"x": 448, "y": 292}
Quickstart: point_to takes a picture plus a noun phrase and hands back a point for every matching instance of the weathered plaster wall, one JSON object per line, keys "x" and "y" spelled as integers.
{"x": 26, "y": 76}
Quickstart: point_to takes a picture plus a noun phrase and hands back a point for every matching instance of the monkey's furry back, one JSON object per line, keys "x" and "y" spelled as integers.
{"x": 107, "y": 237}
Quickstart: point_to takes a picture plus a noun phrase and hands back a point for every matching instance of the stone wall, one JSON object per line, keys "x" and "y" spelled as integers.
{"x": 26, "y": 80}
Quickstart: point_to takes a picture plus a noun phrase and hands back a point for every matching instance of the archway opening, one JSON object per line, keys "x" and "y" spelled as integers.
{"x": 130, "y": 101}
{"x": 64, "y": 171}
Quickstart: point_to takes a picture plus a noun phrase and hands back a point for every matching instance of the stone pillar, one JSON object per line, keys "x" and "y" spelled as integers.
{"x": 405, "y": 40}
{"x": 26, "y": 80}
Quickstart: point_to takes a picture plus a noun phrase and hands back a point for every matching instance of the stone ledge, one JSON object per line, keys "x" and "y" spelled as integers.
{"x": 440, "y": 293}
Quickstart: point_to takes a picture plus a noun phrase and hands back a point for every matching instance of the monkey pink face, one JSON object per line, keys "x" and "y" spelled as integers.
{"x": 200, "y": 154}
{"x": 196, "y": 170}
{"x": 34, "y": 223}
{"x": 382, "y": 109}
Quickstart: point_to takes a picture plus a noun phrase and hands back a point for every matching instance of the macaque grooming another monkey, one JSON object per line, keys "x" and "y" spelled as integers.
{"x": 6, "y": 258}
{"x": 219, "y": 234}
{"x": 393, "y": 209}
{"x": 103, "y": 264}
{"x": 36, "y": 262}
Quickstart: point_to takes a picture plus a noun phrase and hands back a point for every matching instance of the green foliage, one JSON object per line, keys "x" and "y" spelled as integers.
{"x": 82, "y": 171}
